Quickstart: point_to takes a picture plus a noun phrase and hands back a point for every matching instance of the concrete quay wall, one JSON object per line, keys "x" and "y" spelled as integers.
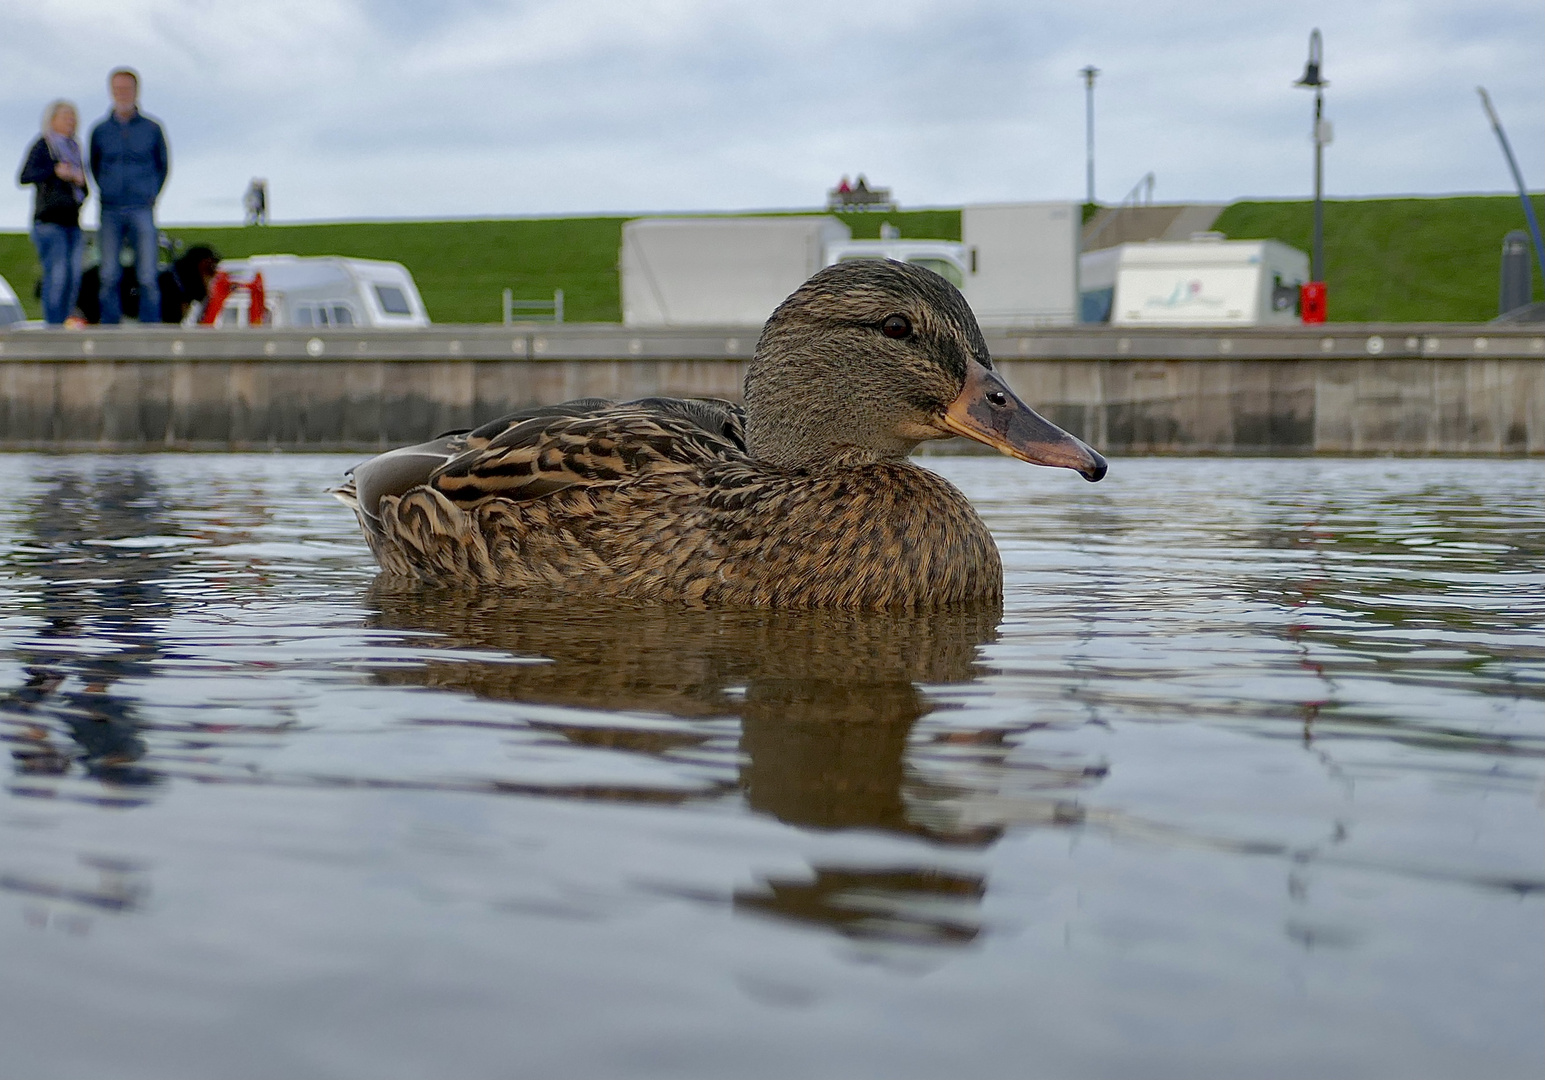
{"x": 1336, "y": 389}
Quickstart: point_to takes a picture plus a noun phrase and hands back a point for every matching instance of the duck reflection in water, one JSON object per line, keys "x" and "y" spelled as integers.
{"x": 98, "y": 609}
{"x": 827, "y": 701}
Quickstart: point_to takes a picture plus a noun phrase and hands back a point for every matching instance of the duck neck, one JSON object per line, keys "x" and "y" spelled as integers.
{"x": 793, "y": 420}
{"x": 815, "y": 439}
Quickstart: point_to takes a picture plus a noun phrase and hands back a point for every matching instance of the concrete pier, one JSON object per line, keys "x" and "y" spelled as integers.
{"x": 1334, "y": 389}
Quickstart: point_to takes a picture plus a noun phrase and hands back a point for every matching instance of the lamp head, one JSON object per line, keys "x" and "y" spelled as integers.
{"x": 1311, "y": 77}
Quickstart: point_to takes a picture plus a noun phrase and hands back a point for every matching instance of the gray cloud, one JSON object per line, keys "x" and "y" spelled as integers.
{"x": 355, "y": 109}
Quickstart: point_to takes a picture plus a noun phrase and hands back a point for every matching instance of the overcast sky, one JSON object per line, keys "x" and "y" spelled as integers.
{"x": 465, "y": 108}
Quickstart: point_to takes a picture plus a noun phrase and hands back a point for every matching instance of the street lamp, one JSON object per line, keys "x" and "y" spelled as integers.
{"x": 1089, "y": 73}
{"x": 1312, "y": 80}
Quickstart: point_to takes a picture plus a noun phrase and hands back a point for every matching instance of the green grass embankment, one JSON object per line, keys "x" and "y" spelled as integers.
{"x": 463, "y": 267}
{"x": 1398, "y": 260}
{"x": 19, "y": 267}
{"x": 1426, "y": 260}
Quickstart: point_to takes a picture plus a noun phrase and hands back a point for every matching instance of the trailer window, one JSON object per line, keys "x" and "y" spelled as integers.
{"x": 324, "y": 315}
{"x": 393, "y": 300}
{"x": 944, "y": 268}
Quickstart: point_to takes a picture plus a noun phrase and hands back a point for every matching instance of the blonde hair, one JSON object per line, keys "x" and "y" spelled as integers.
{"x": 51, "y": 110}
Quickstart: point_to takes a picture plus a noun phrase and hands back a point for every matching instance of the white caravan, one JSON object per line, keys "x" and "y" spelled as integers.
{"x": 1022, "y": 262}
{"x": 324, "y": 291}
{"x": 11, "y": 313}
{"x": 1206, "y": 281}
{"x": 1016, "y": 263}
{"x": 718, "y": 271}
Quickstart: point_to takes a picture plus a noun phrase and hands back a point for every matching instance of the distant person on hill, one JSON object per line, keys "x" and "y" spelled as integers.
{"x": 186, "y": 282}
{"x": 130, "y": 160}
{"x": 54, "y": 165}
{"x": 255, "y": 201}
{"x": 843, "y": 187}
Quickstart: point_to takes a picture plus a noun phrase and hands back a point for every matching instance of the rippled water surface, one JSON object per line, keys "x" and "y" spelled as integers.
{"x": 1244, "y": 780}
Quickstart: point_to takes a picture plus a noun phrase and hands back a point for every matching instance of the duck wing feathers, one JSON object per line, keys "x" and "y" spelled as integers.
{"x": 538, "y": 451}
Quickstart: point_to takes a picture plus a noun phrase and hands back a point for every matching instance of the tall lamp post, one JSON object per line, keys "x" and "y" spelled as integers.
{"x": 1089, "y": 73}
{"x": 1313, "y": 81}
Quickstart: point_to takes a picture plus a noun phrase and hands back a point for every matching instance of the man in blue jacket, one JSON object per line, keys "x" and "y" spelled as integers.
{"x": 129, "y": 160}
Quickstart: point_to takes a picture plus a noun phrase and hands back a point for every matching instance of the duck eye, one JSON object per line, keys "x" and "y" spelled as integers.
{"x": 896, "y": 326}
{"x": 997, "y": 399}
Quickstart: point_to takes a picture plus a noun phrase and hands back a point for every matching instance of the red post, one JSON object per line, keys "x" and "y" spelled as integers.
{"x": 219, "y": 289}
{"x": 1311, "y": 301}
{"x": 256, "y": 312}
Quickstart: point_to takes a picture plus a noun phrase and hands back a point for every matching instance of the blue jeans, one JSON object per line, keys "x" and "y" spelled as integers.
{"x": 138, "y": 225}
{"x": 60, "y": 250}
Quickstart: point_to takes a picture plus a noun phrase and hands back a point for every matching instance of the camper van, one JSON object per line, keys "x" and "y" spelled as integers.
{"x": 11, "y": 313}
{"x": 324, "y": 292}
{"x": 1206, "y": 281}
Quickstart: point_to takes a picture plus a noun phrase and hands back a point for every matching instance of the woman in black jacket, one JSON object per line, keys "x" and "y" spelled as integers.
{"x": 54, "y": 165}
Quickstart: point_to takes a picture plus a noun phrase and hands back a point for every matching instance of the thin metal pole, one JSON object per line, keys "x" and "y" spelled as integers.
{"x": 1518, "y": 178}
{"x": 1317, "y": 269}
{"x": 1089, "y": 73}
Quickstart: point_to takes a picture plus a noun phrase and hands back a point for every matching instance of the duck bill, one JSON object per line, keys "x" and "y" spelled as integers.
{"x": 989, "y": 412}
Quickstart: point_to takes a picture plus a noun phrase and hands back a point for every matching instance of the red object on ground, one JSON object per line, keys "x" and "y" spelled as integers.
{"x": 256, "y": 312}
{"x": 219, "y": 289}
{"x": 1311, "y": 301}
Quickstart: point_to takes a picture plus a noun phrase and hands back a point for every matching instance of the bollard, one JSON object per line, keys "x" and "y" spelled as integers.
{"x": 1517, "y": 277}
{"x": 1311, "y": 301}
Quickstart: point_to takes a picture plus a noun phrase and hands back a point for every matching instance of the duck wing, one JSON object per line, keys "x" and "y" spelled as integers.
{"x": 715, "y": 415}
{"x": 536, "y": 452}
{"x": 541, "y": 449}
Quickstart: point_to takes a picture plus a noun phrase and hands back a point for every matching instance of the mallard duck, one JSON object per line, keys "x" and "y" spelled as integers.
{"x": 803, "y": 498}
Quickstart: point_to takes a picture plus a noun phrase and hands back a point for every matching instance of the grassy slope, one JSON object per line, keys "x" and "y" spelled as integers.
{"x": 19, "y": 267}
{"x": 1387, "y": 259}
{"x": 1400, "y": 260}
{"x": 462, "y": 267}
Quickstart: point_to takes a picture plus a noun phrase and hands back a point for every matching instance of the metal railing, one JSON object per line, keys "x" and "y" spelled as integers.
{"x": 539, "y": 309}
{"x": 1140, "y": 195}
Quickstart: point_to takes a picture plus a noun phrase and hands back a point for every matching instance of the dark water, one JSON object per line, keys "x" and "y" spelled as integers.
{"x": 1244, "y": 780}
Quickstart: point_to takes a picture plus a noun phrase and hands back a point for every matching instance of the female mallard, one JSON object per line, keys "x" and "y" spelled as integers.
{"x": 804, "y": 498}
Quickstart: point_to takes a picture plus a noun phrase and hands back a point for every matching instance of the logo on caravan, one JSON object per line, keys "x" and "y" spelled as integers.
{"x": 1185, "y": 294}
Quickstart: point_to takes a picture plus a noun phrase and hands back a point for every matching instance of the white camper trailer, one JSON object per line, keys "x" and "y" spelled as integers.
{"x": 324, "y": 291}
{"x": 1016, "y": 263}
{"x": 1206, "y": 281}
{"x": 10, "y": 306}
{"x": 1023, "y": 262}
{"x": 718, "y": 271}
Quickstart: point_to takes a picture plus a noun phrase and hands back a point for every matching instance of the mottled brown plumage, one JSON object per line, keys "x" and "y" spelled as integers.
{"x": 803, "y": 499}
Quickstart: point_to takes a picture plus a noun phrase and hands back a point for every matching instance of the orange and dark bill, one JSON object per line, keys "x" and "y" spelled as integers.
{"x": 989, "y": 412}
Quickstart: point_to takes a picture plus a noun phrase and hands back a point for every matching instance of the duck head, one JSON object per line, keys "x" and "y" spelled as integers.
{"x": 869, "y": 358}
